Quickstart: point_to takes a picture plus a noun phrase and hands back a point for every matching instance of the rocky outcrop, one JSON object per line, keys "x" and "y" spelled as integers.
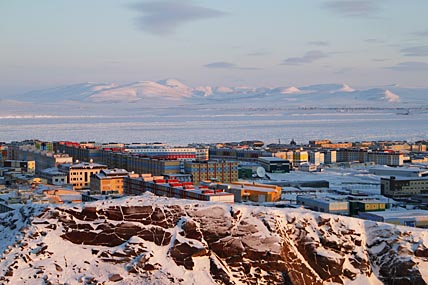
{"x": 154, "y": 240}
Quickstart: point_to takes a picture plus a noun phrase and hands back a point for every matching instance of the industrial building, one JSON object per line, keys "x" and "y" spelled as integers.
{"x": 254, "y": 192}
{"x": 410, "y": 218}
{"x": 367, "y": 205}
{"x": 399, "y": 171}
{"x": 399, "y": 187}
{"x": 324, "y": 204}
{"x": 275, "y": 164}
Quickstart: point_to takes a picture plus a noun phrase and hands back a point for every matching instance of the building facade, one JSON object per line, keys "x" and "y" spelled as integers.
{"x": 138, "y": 184}
{"x": 275, "y": 164}
{"x": 28, "y": 167}
{"x": 53, "y": 176}
{"x": 108, "y": 180}
{"x": 323, "y": 204}
{"x": 221, "y": 171}
{"x": 79, "y": 174}
{"x": 399, "y": 187}
{"x": 43, "y": 159}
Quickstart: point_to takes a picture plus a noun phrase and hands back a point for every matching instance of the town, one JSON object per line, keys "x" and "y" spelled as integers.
{"x": 376, "y": 180}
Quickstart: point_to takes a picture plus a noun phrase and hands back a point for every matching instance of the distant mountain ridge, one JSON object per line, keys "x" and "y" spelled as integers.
{"x": 176, "y": 91}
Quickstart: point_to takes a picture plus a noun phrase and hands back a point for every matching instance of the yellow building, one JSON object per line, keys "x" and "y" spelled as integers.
{"x": 79, "y": 174}
{"x": 254, "y": 192}
{"x": 287, "y": 155}
{"x": 359, "y": 206}
{"x": 28, "y": 167}
{"x": 300, "y": 157}
{"x": 108, "y": 180}
{"x": 221, "y": 171}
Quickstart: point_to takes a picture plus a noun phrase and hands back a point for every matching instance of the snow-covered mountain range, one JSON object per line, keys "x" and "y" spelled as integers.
{"x": 171, "y": 111}
{"x": 156, "y": 240}
{"x": 172, "y": 90}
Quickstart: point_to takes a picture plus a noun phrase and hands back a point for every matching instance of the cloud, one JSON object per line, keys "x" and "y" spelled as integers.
{"x": 319, "y": 43}
{"x": 415, "y": 51}
{"x": 308, "y": 57}
{"x": 227, "y": 65}
{"x": 375, "y": 41}
{"x": 258, "y": 53}
{"x": 353, "y": 8}
{"x": 220, "y": 64}
{"x": 344, "y": 70}
{"x": 164, "y": 17}
{"x": 380, "y": 59}
{"x": 410, "y": 66}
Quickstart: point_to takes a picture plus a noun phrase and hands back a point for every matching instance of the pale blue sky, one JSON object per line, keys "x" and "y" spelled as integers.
{"x": 223, "y": 42}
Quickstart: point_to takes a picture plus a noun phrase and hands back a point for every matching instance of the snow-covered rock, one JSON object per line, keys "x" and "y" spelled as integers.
{"x": 156, "y": 240}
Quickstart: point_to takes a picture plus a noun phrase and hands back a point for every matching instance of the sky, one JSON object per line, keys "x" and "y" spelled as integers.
{"x": 222, "y": 43}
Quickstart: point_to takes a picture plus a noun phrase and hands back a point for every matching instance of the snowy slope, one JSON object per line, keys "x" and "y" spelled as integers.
{"x": 74, "y": 92}
{"x": 154, "y": 240}
{"x": 168, "y": 89}
{"x": 172, "y": 90}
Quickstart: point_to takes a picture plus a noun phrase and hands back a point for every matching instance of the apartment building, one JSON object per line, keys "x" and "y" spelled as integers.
{"x": 28, "y": 167}
{"x": 136, "y": 184}
{"x": 316, "y": 157}
{"x": 329, "y": 156}
{"x": 108, "y": 180}
{"x": 221, "y": 171}
{"x": 79, "y": 174}
{"x": 391, "y": 158}
{"x": 300, "y": 157}
{"x": 43, "y": 158}
{"x": 79, "y": 151}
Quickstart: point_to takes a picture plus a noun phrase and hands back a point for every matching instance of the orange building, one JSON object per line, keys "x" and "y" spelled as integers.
{"x": 108, "y": 180}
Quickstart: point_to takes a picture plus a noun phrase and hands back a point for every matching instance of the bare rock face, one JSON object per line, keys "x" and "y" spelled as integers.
{"x": 159, "y": 241}
{"x": 115, "y": 277}
{"x": 182, "y": 254}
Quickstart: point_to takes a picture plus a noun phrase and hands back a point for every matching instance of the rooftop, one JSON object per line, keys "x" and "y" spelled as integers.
{"x": 401, "y": 214}
{"x": 272, "y": 159}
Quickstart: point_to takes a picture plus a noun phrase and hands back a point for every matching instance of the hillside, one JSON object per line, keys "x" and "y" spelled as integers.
{"x": 154, "y": 240}
{"x": 172, "y": 91}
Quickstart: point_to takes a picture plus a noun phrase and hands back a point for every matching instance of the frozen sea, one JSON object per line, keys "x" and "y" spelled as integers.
{"x": 180, "y": 126}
